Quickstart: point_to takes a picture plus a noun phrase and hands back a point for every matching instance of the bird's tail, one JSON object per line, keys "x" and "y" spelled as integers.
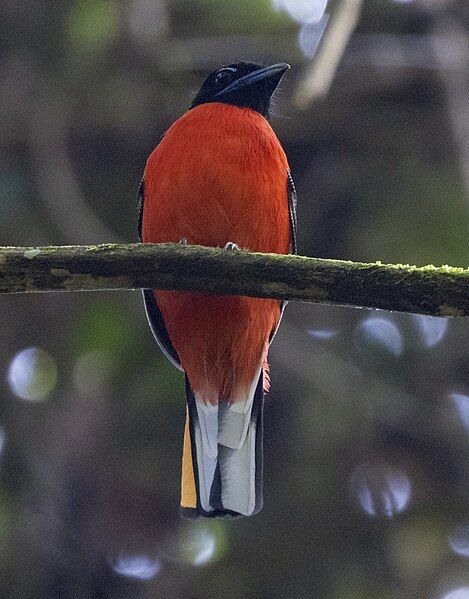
{"x": 222, "y": 459}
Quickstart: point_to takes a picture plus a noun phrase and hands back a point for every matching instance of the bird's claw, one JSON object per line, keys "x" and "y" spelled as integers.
{"x": 232, "y": 247}
{"x": 183, "y": 241}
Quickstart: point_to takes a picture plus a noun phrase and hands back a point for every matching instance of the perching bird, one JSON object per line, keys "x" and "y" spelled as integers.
{"x": 219, "y": 177}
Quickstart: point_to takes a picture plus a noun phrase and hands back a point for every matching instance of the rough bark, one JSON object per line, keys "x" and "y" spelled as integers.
{"x": 436, "y": 291}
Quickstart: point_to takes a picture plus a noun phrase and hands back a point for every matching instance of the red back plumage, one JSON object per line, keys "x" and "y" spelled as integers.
{"x": 218, "y": 175}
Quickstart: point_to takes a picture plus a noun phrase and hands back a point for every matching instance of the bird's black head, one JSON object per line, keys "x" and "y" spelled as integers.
{"x": 243, "y": 84}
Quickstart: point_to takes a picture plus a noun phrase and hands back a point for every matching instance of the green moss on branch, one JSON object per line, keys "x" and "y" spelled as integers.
{"x": 437, "y": 291}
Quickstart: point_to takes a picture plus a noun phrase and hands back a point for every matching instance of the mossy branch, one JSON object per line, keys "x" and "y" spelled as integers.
{"x": 437, "y": 291}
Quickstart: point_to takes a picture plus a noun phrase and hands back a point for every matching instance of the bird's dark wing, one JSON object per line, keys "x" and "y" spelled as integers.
{"x": 291, "y": 195}
{"x": 141, "y": 191}
{"x": 154, "y": 316}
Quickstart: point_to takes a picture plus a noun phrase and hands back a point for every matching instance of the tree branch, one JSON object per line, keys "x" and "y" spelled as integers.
{"x": 319, "y": 76}
{"x": 436, "y": 291}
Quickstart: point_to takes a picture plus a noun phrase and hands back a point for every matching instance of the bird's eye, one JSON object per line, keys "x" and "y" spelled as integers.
{"x": 224, "y": 77}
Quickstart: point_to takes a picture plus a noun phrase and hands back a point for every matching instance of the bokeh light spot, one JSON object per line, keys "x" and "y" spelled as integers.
{"x": 380, "y": 489}
{"x": 32, "y": 374}
{"x": 303, "y": 11}
{"x": 322, "y": 333}
{"x": 461, "y": 403}
{"x": 202, "y": 542}
{"x": 432, "y": 330}
{"x": 462, "y": 593}
{"x": 3, "y": 439}
{"x": 140, "y": 567}
{"x": 382, "y": 332}
{"x": 459, "y": 540}
{"x": 310, "y": 34}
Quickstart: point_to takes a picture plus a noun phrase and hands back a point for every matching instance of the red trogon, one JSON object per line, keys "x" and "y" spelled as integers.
{"x": 219, "y": 177}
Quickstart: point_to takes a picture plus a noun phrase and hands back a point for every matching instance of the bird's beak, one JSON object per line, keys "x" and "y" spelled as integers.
{"x": 273, "y": 73}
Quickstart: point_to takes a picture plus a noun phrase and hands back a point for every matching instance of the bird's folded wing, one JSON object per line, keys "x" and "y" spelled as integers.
{"x": 154, "y": 316}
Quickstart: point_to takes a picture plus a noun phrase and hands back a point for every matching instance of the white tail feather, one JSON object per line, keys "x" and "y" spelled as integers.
{"x": 238, "y": 474}
{"x": 234, "y": 418}
{"x": 206, "y": 432}
{"x": 208, "y": 419}
{"x": 225, "y": 435}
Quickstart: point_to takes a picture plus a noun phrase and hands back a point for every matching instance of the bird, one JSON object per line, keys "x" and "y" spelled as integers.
{"x": 220, "y": 178}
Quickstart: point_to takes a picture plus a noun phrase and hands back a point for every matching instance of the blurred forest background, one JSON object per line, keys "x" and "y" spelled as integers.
{"x": 367, "y": 422}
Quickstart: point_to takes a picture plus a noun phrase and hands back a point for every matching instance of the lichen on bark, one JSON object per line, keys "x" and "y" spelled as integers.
{"x": 432, "y": 290}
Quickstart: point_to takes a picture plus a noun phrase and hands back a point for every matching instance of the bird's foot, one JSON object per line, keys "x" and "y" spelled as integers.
{"x": 232, "y": 247}
{"x": 183, "y": 241}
